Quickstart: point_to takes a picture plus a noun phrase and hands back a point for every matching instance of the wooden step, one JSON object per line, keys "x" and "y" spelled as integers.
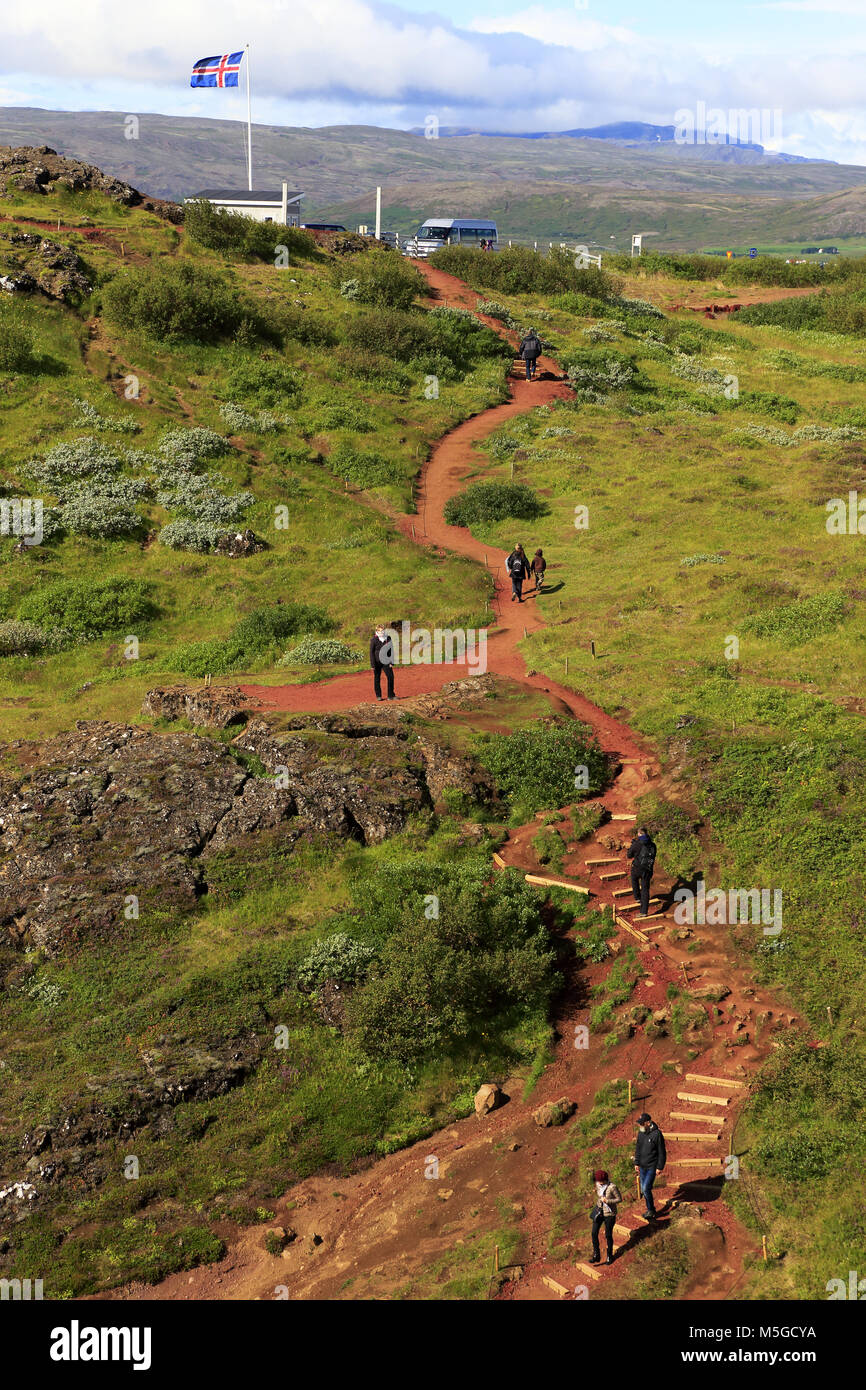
{"x": 620, "y": 892}
{"x": 703, "y": 1100}
{"x": 705, "y": 1119}
{"x": 554, "y": 883}
{"x": 694, "y": 1138}
{"x": 499, "y": 861}
{"x": 651, "y": 917}
{"x": 627, "y": 926}
{"x": 589, "y": 1271}
{"x": 620, "y": 873}
{"x": 716, "y": 1080}
{"x": 621, "y": 817}
{"x": 659, "y": 927}
{"x": 698, "y": 1162}
{"x": 592, "y": 863}
{"x": 557, "y": 1288}
{"x": 628, "y": 907}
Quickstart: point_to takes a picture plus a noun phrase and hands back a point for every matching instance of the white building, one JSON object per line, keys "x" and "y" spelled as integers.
{"x": 264, "y": 206}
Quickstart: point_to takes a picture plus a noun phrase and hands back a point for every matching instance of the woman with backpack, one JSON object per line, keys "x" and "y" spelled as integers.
{"x": 530, "y": 351}
{"x": 604, "y": 1214}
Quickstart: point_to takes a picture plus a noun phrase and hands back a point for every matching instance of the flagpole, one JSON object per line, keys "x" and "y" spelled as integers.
{"x": 249, "y": 127}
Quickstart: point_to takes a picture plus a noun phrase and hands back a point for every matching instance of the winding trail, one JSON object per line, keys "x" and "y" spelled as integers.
{"x": 376, "y": 1232}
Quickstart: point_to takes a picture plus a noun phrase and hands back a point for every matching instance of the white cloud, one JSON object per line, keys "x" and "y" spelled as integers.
{"x": 364, "y": 62}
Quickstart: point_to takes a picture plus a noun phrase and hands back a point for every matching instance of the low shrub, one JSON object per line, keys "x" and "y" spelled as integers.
{"x": 236, "y": 235}
{"x": 87, "y": 608}
{"x": 88, "y": 415}
{"x": 263, "y": 381}
{"x": 489, "y": 502}
{"x": 180, "y": 301}
{"x": 535, "y": 766}
{"x": 251, "y": 638}
{"x": 518, "y": 270}
{"x": 237, "y": 419}
{"x": 312, "y": 652}
{"x": 339, "y": 957}
{"x": 382, "y": 278}
{"x": 188, "y": 448}
{"x": 28, "y": 639}
{"x": 195, "y": 498}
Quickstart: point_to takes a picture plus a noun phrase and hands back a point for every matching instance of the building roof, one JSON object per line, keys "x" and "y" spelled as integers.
{"x": 246, "y": 195}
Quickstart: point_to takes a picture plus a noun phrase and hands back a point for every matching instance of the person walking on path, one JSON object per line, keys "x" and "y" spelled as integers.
{"x": 518, "y": 568}
{"x": 382, "y": 659}
{"x": 604, "y": 1214}
{"x": 530, "y": 351}
{"x": 642, "y": 853}
{"x": 538, "y": 566}
{"x": 650, "y": 1157}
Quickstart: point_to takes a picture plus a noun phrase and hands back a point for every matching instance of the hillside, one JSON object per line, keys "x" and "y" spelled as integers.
{"x": 681, "y": 196}
{"x": 257, "y": 954}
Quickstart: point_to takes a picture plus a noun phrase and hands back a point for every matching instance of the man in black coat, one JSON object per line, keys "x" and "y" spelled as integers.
{"x": 530, "y": 351}
{"x": 650, "y": 1157}
{"x": 518, "y": 567}
{"x": 642, "y": 853}
{"x": 382, "y": 659}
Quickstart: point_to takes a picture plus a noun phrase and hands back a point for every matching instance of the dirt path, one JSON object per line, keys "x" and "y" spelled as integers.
{"x": 378, "y": 1233}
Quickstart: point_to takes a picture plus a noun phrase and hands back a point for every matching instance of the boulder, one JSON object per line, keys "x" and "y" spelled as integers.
{"x": 554, "y": 1112}
{"x": 487, "y": 1098}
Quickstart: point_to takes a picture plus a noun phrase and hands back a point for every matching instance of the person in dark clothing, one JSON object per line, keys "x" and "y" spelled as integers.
{"x": 518, "y": 567}
{"x": 382, "y": 659}
{"x": 538, "y": 566}
{"x": 530, "y": 351}
{"x": 650, "y": 1157}
{"x": 604, "y": 1213}
{"x": 642, "y": 853}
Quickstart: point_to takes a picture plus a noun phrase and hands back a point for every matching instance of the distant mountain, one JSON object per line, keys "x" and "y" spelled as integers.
{"x": 624, "y": 133}
{"x": 592, "y": 188}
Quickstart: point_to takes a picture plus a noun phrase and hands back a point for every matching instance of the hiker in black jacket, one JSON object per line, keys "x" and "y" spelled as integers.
{"x": 518, "y": 567}
{"x": 382, "y": 659}
{"x": 530, "y": 351}
{"x": 642, "y": 853}
{"x": 650, "y": 1157}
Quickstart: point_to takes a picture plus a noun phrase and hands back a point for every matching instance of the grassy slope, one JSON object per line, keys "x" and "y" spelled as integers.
{"x": 768, "y": 751}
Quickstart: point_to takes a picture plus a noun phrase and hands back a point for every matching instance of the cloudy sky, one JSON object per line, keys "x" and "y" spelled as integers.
{"x": 491, "y": 64}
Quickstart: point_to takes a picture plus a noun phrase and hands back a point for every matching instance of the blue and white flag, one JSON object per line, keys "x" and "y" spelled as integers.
{"x": 221, "y": 71}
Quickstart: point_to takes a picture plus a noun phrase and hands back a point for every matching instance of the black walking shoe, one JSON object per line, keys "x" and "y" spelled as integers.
{"x": 609, "y": 1260}
{"x": 596, "y": 1260}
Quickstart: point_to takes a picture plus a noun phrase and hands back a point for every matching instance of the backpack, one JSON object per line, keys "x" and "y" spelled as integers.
{"x": 532, "y": 345}
{"x": 646, "y": 856}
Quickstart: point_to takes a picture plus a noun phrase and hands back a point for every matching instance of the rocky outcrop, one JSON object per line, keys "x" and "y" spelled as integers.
{"x": 554, "y": 1112}
{"x": 40, "y": 169}
{"x": 209, "y": 707}
{"x": 41, "y": 264}
{"x": 99, "y": 822}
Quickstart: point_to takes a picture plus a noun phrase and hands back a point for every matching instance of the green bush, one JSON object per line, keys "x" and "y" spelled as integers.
{"x": 488, "y": 502}
{"x": 244, "y": 237}
{"x": 443, "y": 984}
{"x": 382, "y": 278}
{"x": 89, "y": 608}
{"x": 536, "y": 767}
{"x": 517, "y": 270}
{"x": 180, "y": 301}
{"x": 585, "y": 820}
{"x": 249, "y": 640}
{"x": 264, "y": 381}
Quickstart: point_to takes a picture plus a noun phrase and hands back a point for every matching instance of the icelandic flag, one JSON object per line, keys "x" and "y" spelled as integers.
{"x": 221, "y": 71}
